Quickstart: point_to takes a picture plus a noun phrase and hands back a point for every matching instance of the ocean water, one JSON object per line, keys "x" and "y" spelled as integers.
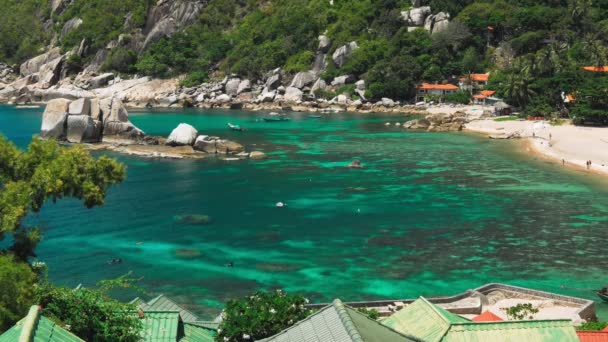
{"x": 430, "y": 214}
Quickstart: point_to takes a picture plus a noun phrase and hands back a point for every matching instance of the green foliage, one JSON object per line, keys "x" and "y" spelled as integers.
{"x": 16, "y": 290}
{"x": 460, "y": 97}
{"x": 47, "y": 171}
{"x": 371, "y": 313}
{"x": 506, "y": 118}
{"x": 521, "y": 311}
{"x": 121, "y": 60}
{"x": 22, "y": 32}
{"x": 592, "y": 326}
{"x": 103, "y": 20}
{"x": 194, "y": 79}
{"x": 300, "y": 62}
{"x": 260, "y": 315}
{"x": 89, "y": 313}
{"x": 324, "y": 94}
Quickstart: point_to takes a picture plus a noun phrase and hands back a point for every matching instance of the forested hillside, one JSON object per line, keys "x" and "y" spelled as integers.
{"x": 533, "y": 49}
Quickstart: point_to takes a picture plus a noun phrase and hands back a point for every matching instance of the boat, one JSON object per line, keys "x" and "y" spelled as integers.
{"x": 315, "y": 116}
{"x": 603, "y": 293}
{"x": 235, "y": 127}
{"x": 276, "y": 118}
{"x": 27, "y": 106}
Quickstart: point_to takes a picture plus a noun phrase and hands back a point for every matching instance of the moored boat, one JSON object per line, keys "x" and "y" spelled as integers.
{"x": 276, "y": 118}
{"x": 603, "y": 293}
{"x": 235, "y": 127}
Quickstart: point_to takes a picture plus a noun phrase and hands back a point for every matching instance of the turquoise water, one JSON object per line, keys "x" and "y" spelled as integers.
{"x": 431, "y": 214}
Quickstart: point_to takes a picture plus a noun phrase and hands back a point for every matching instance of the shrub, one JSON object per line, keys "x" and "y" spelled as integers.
{"x": 194, "y": 79}
{"x": 121, "y": 60}
{"x": 371, "y": 313}
{"x": 16, "y": 290}
{"x": 300, "y": 62}
{"x": 261, "y": 315}
{"x": 592, "y": 326}
{"x": 458, "y": 97}
{"x": 521, "y": 311}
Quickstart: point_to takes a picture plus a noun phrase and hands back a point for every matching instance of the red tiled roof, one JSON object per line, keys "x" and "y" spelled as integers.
{"x": 430, "y": 86}
{"x": 479, "y": 96}
{"x": 596, "y": 68}
{"x": 592, "y": 336}
{"x": 480, "y": 77}
{"x": 488, "y": 92}
{"x": 486, "y": 316}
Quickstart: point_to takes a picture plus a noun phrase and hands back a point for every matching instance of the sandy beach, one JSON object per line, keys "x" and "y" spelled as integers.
{"x": 573, "y": 145}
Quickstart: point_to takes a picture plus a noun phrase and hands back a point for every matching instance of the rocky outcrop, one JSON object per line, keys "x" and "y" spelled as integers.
{"x": 70, "y": 25}
{"x": 215, "y": 145}
{"x": 232, "y": 86}
{"x": 182, "y": 135}
{"x": 439, "y": 122}
{"x": 416, "y": 16}
{"x": 83, "y": 129}
{"x": 342, "y": 80}
{"x": 437, "y": 23}
{"x": 33, "y": 66}
{"x": 54, "y": 119}
{"x": 115, "y": 119}
{"x": 293, "y": 94}
{"x": 324, "y": 44}
{"x": 303, "y": 79}
{"x": 166, "y": 17}
{"x": 341, "y": 55}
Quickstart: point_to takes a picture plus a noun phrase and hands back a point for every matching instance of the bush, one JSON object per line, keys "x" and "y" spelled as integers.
{"x": 195, "y": 78}
{"x": 371, "y": 313}
{"x": 260, "y": 315}
{"x": 300, "y": 62}
{"x": 121, "y": 60}
{"x": 324, "y": 94}
{"x": 592, "y": 326}
{"x": 458, "y": 97}
{"x": 16, "y": 290}
{"x": 521, "y": 311}
{"x": 90, "y": 314}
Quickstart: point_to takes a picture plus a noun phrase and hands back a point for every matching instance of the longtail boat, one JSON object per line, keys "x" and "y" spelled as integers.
{"x": 603, "y": 293}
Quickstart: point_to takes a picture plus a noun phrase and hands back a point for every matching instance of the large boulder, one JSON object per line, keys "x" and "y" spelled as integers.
{"x": 342, "y": 53}
{"x": 324, "y": 43}
{"x": 33, "y": 65}
{"x": 267, "y": 95}
{"x": 83, "y": 129}
{"x": 386, "y": 102}
{"x": 441, "y": 21}
{"x": 115, "y": 119}
{"x": 166, "y": 17}
{"x": 416, "y": 16}
{"x": 182, "y": 135}
{"x": 101, "y": 80}
{"x": 216, "y": 145}
{"x": 274, "y": 81}
{"x": 224, "y": 98}
{"x": 54, "y": 119}
{"x": 342, "y": 80}
{"x": 293, "y": 94}
{"x": 319, "y": 84}
{"x": 360, "y": 85}
{"x": 303, "y": 79}
{"x": 244, "y": 86}
{"x": 50, "y": 73}
{"x": 70, "y": 25}
{"x": 80, "y": 107}
{"x": 232, "y": 86}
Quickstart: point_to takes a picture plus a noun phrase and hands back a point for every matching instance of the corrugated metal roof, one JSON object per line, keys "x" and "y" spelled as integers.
{"x": 195, "y": 333}
{"x": 338, "y": 323}
{"x": 512, "y": 331}
{"x": 160, "y": 326}
{"x": 43, "y": 330}
{"x": 423, "y": 320}
{"x": 592, "y": 336}
{"x": 163, "y": 303}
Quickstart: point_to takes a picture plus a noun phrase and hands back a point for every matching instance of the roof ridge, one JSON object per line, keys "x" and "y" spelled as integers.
{"x": 347, "y": 321}
{"x": 426, "y": 301}
{"x": 31, "y": 321}
{"x": 298, "y": 323}
{"x": 174, "y": 303}
{"x": 411, "y": 337}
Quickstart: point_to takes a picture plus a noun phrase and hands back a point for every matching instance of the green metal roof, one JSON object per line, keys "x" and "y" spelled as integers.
{"x": 423, "y": 320}
{"x": 163, "y": 303}
{"x": 338, "y": 323}
{"x": 160, "y": 326}
{"x": 432, "y": 323}
{"x": 39, "y": 329}
{"x": 195, "y": 333}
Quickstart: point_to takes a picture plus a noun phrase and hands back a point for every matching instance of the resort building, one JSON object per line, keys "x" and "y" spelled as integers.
{"x": 596, "y": 68}
{"x": 485, "y": 97}
{"x": 593, "y": 336}
{"x": 427, "y": 91}
{"x": 474, "y": 82}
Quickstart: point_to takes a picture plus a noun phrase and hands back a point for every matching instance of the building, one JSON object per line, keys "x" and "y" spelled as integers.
{"x": 483, "y": 97}
{"x": 35, "y": 327}
{"x": 593, "y": 336}
{"x": 474, "y": 82}
{"x": 428, "y": 322}
{"x": 425, "y": 91}
{"x": 596, "y": 68}
{"x": 339, "y": 323}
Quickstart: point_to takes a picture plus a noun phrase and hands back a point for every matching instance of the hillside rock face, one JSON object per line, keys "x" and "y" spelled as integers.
{"x": 34, "y": 65}
{"x": 342, "y": 53}
{"x": 167, "y": 17}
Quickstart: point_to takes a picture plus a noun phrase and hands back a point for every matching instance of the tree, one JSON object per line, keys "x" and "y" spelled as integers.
{"x": 89, "y": 313}
{"x": 16, "y": 290}
{"x": 47, "y": 171}
{"x": 260, "y": 315}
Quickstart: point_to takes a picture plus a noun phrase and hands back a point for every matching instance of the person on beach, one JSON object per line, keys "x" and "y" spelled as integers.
{"x": 563, "y": 161}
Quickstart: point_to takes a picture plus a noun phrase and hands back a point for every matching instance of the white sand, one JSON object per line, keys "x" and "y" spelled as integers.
{"x": 574, "y": 144}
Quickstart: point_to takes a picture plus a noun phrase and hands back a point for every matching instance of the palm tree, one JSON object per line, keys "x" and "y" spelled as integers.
{"x": 518, "y": 83}
{"x": 596, "y": 50}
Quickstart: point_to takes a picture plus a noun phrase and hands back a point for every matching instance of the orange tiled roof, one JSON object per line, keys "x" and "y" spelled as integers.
{"x": 480, "y": 77}
{"x": 596, "y": 68}
{"x": 488, "y": 92}
{"x": 592, "y": 336}
{"x": 479, "y": 96}
{"x": 487, "y": 316}
{"x": 430, "y": 86}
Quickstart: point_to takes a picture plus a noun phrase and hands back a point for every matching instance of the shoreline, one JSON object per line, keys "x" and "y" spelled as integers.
{"x": 568, "y": 142}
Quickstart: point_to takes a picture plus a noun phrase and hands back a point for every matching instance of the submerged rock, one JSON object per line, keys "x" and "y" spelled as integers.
{"x": 193, "y": 219}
